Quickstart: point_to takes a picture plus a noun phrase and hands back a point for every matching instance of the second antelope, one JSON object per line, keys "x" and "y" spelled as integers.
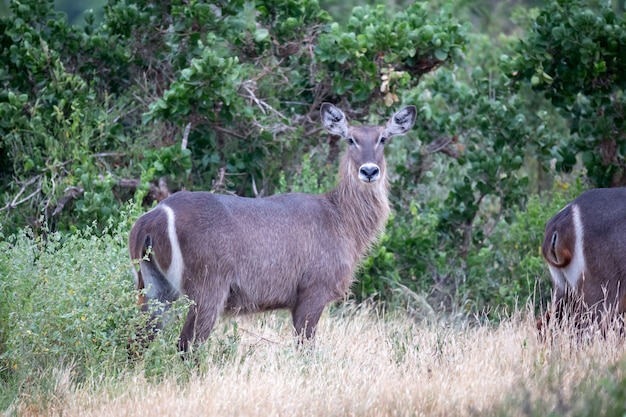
{"x": 585, "y": 248}
{"x": 293, "y": 251}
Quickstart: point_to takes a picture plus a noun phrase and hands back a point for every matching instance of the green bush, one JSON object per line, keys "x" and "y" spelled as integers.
{"x": 68, "y": 302}
{"x": 69, "y": 298}
{"x": 405, "y": 255}
{"x": 407, "y": 45}
{"x": 574, "y": 53}
{"x": 234, "y": 86}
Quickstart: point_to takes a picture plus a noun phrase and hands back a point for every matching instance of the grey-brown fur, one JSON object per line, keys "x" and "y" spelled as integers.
{"x": 588, "y": 278}
{"x": 292, "y": 251}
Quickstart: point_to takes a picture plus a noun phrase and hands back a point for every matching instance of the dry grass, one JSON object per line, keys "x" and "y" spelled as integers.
{"x": 363, "y": 364}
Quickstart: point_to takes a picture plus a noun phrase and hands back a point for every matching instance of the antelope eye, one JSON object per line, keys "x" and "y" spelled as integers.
{"x": 382, "y": 140}
{"x": 351, "y": 141}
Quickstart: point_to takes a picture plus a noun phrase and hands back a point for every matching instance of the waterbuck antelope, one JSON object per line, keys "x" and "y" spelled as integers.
{"x": 293, "y": 251}
{"x": 585, "y": 248}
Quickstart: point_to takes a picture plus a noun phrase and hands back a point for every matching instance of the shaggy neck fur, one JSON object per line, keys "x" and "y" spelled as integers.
{"x": 363, "y": 208}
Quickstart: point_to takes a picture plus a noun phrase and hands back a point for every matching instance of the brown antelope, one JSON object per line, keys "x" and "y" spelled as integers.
{"x": 293, "y": 251}
{"x": 585, "y": 248}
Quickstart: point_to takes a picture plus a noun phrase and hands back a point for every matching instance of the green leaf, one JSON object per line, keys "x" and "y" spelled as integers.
{"x": 28, "y": 164}
{"x": 186, "y": 73}
{"x": 261, "y": 34}
{"x": 441, "y": 55}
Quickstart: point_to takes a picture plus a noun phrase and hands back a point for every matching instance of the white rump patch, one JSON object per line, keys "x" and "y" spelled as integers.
{"x": 174, "y": 274}
{"x": 575, "y": 270}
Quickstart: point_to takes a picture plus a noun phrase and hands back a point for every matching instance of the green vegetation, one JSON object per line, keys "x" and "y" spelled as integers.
{"x": 575, "y": 54}
{"x": 521, "y": 107}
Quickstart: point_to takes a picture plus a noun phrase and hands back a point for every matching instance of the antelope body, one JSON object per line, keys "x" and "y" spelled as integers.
{"x": 585, "y": 248}
{"x": 293, "y": 251}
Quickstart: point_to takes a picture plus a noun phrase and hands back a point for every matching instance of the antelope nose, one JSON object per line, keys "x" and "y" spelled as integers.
{"x": 369, "y": 172}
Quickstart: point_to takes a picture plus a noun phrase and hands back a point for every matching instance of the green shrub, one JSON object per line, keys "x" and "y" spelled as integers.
{"x": 405, "y": 255}
{"x": 70, "y": 299}
{"x": 574, "y": 54}
{"x": 68, "y": 302}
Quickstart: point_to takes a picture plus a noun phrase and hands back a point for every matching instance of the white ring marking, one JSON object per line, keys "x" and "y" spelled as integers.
{"x": 575, "y": 270}
{"x": 174, "y": 273}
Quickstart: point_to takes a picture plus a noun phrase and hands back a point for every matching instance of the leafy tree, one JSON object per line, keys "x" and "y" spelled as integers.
{"x": 575, "y": 54}
{"x": 187, "y": 94}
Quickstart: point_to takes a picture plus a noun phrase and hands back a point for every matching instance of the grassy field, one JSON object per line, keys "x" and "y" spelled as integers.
{"x": 364, "y": 363}
{"x": 68, "y": 311}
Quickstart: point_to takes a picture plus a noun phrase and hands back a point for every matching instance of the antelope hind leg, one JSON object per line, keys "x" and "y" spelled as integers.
{"x": 306, "y": 315}
{"x": 200, "y": 320}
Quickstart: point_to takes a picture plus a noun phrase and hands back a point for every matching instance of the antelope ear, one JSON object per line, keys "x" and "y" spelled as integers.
{"x": 334, "y": 120}
{"x": 401, "y": 122}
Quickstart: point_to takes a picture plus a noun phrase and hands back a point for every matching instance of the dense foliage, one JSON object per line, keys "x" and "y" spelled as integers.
{"x": 575, "y": 52}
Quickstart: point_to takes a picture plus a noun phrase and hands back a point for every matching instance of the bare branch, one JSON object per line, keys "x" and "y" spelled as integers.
{"x": 16, "y": 202}
{"x": 70, "y": 194}
{"x": 249, "y": 86}
{"x": 157, "y": 192}
{"x": 450, "y": 152}
{"x": 131, "y": 183}
{"x": 218, "y": 184}
{"x": 254, "y": 190}
{"x": 228, "y": 132}
{"x": 260, "y": 338}
{"x": 108, "y": 154}
{"x": 25, "y": 199}
{"x": 438, "y": 144}
{"x": 183, "y": 145}
{"x": 163, "y": 188}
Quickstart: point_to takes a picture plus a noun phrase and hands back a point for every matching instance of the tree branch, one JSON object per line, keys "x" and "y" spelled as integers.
{"x": 13, "y": 204}
{"x": 158, "y": 192}
{"x": 70, "y": 194}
